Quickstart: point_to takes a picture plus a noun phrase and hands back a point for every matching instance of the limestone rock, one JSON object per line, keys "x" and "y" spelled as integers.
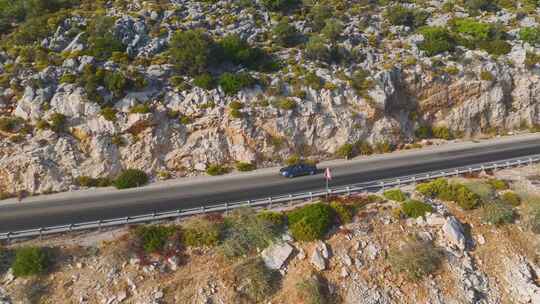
{"x": 276, "y": 255}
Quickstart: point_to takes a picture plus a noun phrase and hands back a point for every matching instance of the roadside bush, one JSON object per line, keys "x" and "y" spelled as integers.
{"x": 233, "y": 83}
{"x": 395, "y": 195}
{"x": 344, "y": 212}
{"x": 275, "y": 219}
{"x": 534, "y": 219}
{"x": 30, "y": 261}
{"x": 345, "y": 151}
{"x": 483, "y": 189}
{"x": 441, "y": 189}
{"x": 442, "y": 132}
{"x": 131, "y": 178}
{"x": 201, "y": 232}
{"x": 364, "y": 148}
{"x": 498, "y": 213}
{"x": 244, "y": 166}
{"x": 415, "y": 209}
{"x": 511, "y": 198}
{"x": 312, "y": 290}
{"x": 415, "y": 259}
{"x": 436, "y": 40}
{"x": 498, "y": 184}
{"x": 257, "y": 282}
{"x": 423, "y": 132}
{"x": 311, "y": 222}
{"x": 153, "y": 239}
{"x": 216, "y": 169}
{"x": 245, "y": 232}
{"x": 191, "y": 51}
{"x": 293, "y": 160}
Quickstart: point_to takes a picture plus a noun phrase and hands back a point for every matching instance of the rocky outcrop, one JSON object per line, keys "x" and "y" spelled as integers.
{"x": 521, "y": 281}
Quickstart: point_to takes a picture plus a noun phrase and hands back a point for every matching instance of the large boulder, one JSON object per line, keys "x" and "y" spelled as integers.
{"x": 276, "y": 255}
{"x": 454, "y": 232}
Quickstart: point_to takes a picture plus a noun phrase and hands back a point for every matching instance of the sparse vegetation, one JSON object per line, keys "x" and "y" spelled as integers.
{"x": 415, "y": 259}
{"x": 154, "y": 239}
{"x": 415, "y": 209}
{"x": 216, "y": 169}
{"x": 202, "y": 232}
{"x": 498, "y": 213}
{"x": 256, "y": 280}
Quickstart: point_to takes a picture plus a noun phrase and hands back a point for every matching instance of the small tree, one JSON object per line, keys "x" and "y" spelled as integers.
{"x": 131, "y": 178}
{"x": 154, "y": 238}
{"x": 285, "y": 34}
{"x": 311, "y": 222}
{"x": 191, "y": 51}
{"x": 30, "y": 261}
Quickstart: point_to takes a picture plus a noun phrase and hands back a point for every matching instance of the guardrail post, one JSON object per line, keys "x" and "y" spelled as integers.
{"x": 311, "y": 196}
{"x": 290, "y": 200}
{"x": 226, "y": 208}
{"x": 249, "y": 203}
{"x": 8, "y": 235}
{"x": 127, "y": 219}
{"x": 70, "y": 227}
{"x": 99, "y": 225}
{"x": 382, "y": 186}
{"x": 153, "y": 214}
{"x": 40, "y": 233}
{"x": 470, "y": 170}
{"x": 348, "y": 191}
{"x": 202, "y": 210}
{"x": 495, "y": 167}
{"x": 530, "y": 161}
{"x": 398, "y": 182}
{"x": 414, "y": 180}
{"x": 457, "y": 172}
{"x": 270, "y": 201}
{"x": 507, "y": 164}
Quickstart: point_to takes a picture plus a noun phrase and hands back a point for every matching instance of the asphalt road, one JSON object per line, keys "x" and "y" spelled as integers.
{"x": 92, "y": 205}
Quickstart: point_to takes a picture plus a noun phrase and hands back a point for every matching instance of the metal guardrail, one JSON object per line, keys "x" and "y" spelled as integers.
{"x": 272, "y": 202}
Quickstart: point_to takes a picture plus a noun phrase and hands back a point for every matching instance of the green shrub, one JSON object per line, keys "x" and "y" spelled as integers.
{"x": 498, "y": 213}
{"x": 399, "y": 15}
{"x": 57, "y": 122}
{"x": 68, "y": 78}
{"x": 312, "y": 291}
{"x": 423, "y": 132}
{"x": 286, "y": 104}
{"x": 109, "y": 113}
{"x": 415, "y": 259}
{"x": 530, "y": 35}
{"x": 316, "y": 49}
{"x": 131, "y": 178}
{"x": 216, "y": 169}
{"x": 234, "y": 49}
{"x": 415, "y": 209}
{"x": 236, "y": 105}
{"x": 345, "y": 151}
{"x": 233, "y": 83}
{"x": 486, "y": 76}
{"x": 141, "y": 108}
{"x": 257, "y": 282}
{"x": 436, "y": 40}
{"x": 10, "y": 124}
{"x": 440, "y": 188}
{"x": 360, "y": 82}
{"x": 483, "y": 189}
{"x": 293, "y": 160}
{"x": 154, "y": 238}
{"x": 332, "y": 30}
{"x": 395, "y": 195}
{"x": 191, "y": 51}
{"x": 204, "y": 81}
{"x": 364, "y": 148}
{"x": 30, "y": 261}
{"x": 318, "y": 14}
{"x": 311, "y": 222}
{"x": 511, "y": 198}
{"x": 279, "y": 5}
{"x": 496, "y": 47}
{"x": 442, "y": 132}
{"x": 201, "y": 232}
{"x": 314, "y": 81}
{"x": 498, "y": 184}
{"x": 116, "y": 83}
{"x": 275, "y": 219}
{"x": 344, "y": 212}
{"x": 244, "y": 166}
{"x": 245, "y": 232}
{"x": 285, "y": 34}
